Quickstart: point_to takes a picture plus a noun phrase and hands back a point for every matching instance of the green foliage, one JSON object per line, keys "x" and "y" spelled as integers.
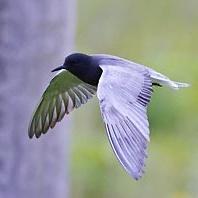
{"x": 162, "y": 34}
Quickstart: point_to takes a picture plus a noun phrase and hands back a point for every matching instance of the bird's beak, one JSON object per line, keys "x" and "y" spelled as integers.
{"x": 58, "y": 68}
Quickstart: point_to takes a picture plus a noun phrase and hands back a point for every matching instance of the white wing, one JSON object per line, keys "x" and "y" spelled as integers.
{"x": 156, "y": 77}
{"x": 124, "y": 94}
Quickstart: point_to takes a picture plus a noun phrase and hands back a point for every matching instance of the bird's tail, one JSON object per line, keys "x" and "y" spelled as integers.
{"x": 164, "y": 80}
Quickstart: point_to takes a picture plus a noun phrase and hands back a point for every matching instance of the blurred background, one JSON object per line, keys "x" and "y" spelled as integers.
{"x": 75, "y": 159}
{"x": 162, "y": 35}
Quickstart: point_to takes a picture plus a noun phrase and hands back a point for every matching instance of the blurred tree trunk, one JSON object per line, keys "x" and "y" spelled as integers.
{"x": 35, "y": 36}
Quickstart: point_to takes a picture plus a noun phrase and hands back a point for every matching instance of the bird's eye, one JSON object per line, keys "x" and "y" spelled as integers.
{"x": 74, "y": 62}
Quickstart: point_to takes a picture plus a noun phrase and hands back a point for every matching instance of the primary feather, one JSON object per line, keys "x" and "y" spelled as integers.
{"x": 64, "y": 93}
{"x": 123, "y": 103}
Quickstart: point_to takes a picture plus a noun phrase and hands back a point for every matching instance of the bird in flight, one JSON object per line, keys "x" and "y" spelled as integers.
{"x": 124, "y": 90}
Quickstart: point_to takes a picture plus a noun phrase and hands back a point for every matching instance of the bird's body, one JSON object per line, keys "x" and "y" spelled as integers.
{"x": 124, "y": 89}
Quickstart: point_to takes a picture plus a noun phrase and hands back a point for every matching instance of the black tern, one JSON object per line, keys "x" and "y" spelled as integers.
{"x": 124, "y": 90}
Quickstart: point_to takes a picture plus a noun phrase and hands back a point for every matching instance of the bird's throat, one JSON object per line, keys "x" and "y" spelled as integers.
{"x": 90, "y": 75}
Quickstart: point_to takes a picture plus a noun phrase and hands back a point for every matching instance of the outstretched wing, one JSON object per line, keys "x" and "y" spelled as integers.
{"x": 124, "y": 94}
{"x": 64, "y": 93}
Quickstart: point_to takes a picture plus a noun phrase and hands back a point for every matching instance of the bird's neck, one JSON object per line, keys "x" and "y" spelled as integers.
{"x": 88, "y": 74}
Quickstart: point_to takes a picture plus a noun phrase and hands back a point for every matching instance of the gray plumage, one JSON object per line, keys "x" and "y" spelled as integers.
{"x": 124, "y": 90}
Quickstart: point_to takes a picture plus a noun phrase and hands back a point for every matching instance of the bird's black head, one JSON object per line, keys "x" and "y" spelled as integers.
{"x": 73, "y": 61}
{"x": 83, "y": 66}
{"x": 76, "y": 60}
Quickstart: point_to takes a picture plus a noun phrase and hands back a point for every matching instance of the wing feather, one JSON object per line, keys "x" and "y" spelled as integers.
{"x": 65, "y": 93}
{"x": 124, "y": 95}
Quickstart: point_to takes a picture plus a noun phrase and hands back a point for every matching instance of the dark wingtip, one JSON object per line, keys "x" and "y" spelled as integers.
{"x": 37, "y": 135}
{"x": 30, "y": 131}
{"x": 30, "y": 135}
